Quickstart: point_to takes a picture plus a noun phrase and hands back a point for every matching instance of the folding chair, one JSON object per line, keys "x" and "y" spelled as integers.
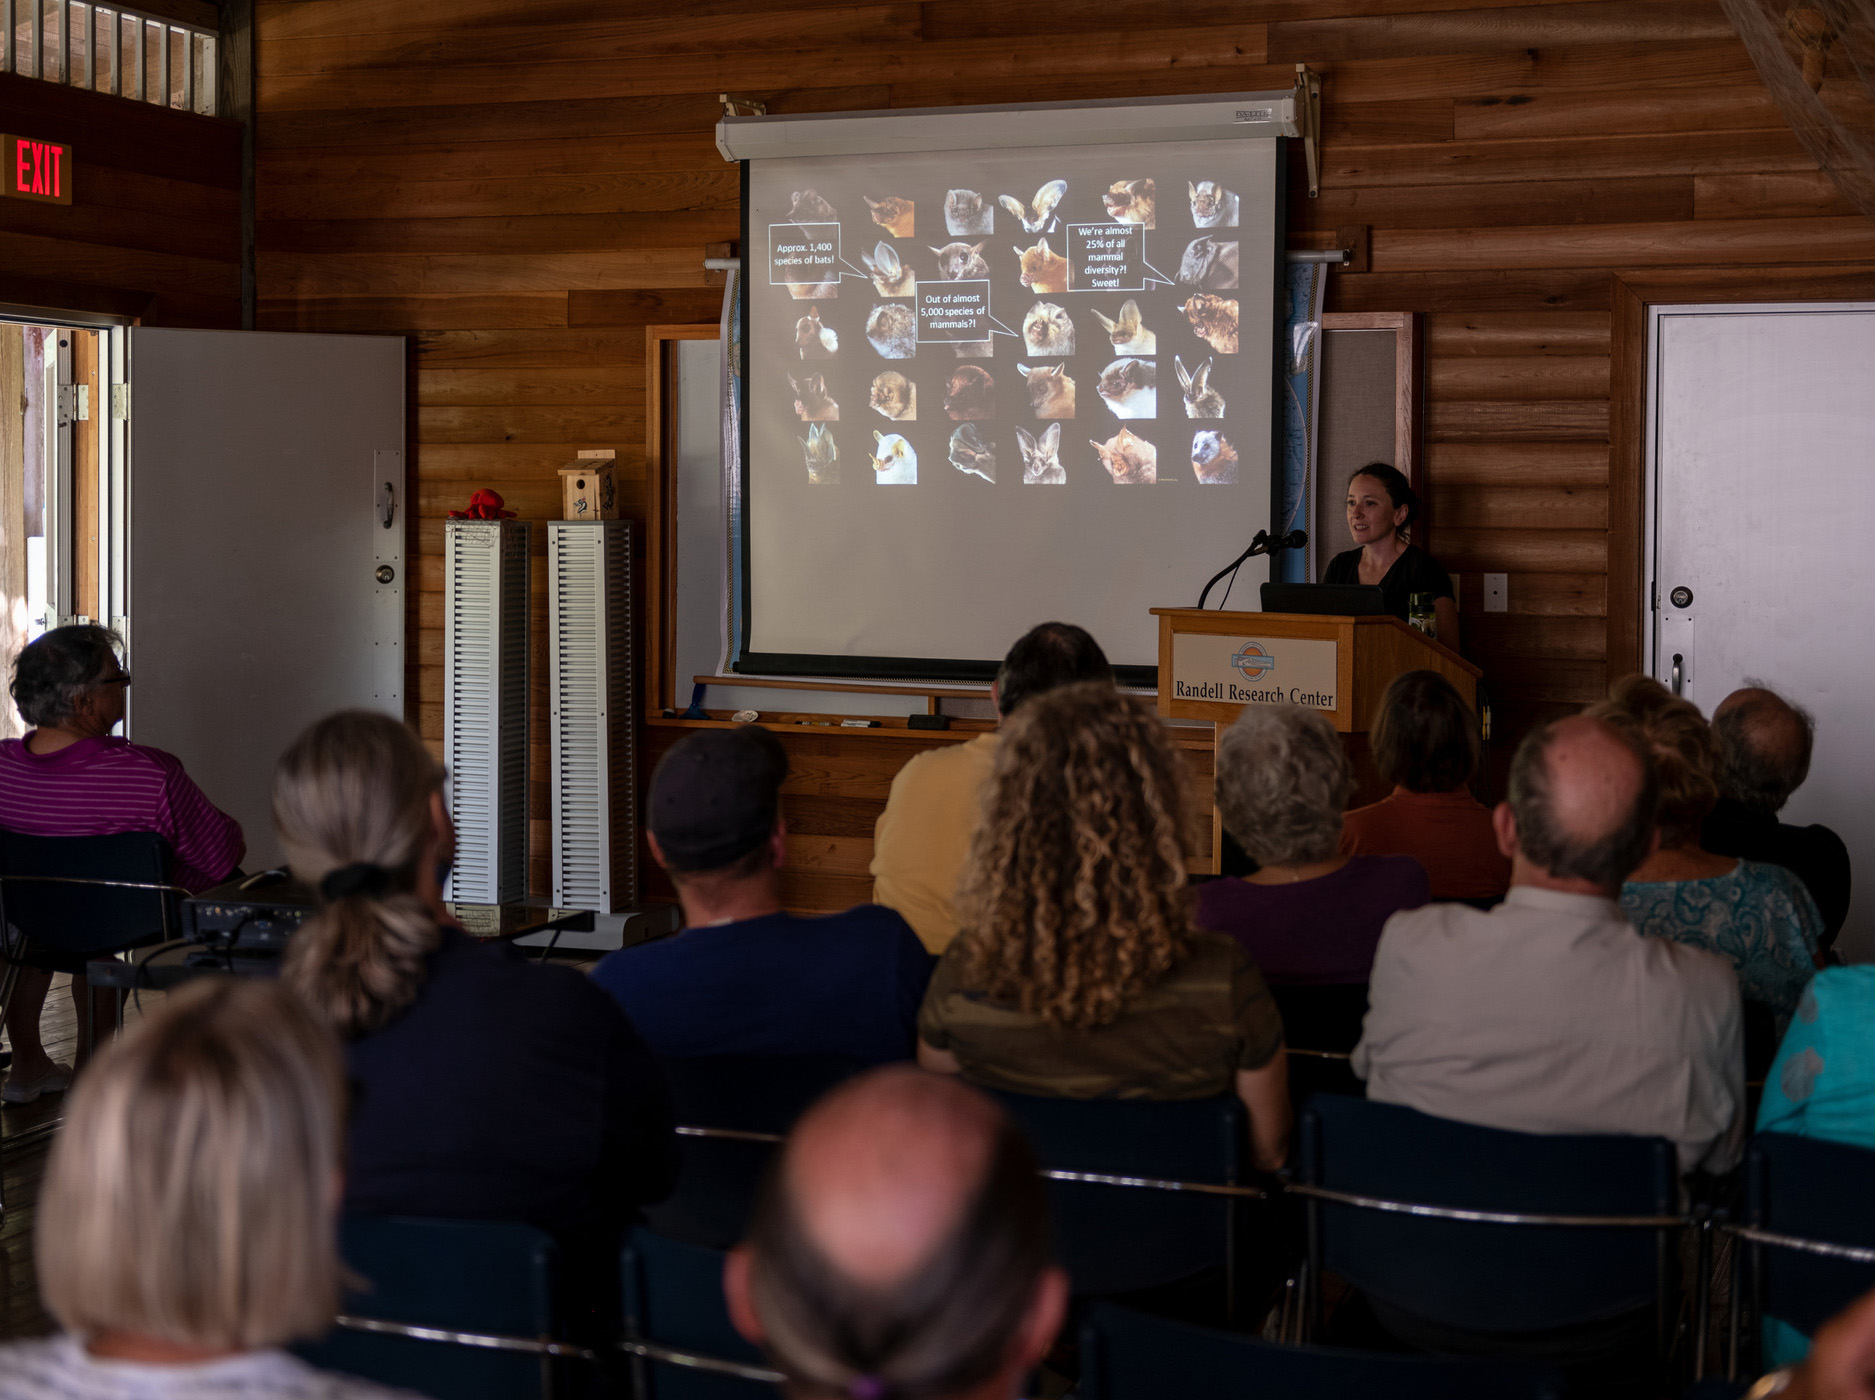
{"x": 1322, "y": 1025}
{"x": 1128, "y": 1355}
{"x": 1143, "y": 1193}
{"x": 452, "y": 1309}
{"x": 67, "y": 899}
{"x": 1807, "y": 1246}
{"x": 1484, "y": 1238}
{"x": 677, "y": 1328}
{"x": 733, "y": 1108}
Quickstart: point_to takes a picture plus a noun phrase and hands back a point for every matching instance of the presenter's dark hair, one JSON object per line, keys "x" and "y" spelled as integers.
{"x": 1399, "y": 490}
{"x": 52, "y": 674}
{"x": 1046, "y": 658}
{"x": 1425, "y": 736}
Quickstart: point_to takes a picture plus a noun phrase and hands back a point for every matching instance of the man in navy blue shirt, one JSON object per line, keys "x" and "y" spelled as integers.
{"x": 743, "y": 977}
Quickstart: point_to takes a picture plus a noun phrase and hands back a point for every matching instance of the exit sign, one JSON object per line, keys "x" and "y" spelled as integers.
{"x": 32, "y": 169}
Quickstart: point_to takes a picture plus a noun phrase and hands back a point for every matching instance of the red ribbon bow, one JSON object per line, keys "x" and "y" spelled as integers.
{"x": 483, "y": 505}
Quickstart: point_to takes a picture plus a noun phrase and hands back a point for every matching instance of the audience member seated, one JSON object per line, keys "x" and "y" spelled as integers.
{"x": 1822, "y": 1083}
{"x": 1759, "y": 917}
{"x": 901, "y": 1249}
{"x": 485, "y": 1086}
{"x": 1425, "y": 742}
{"x": 1549, "y": 1013}
{"x": 1764, "y": 755}
{"x": 70, "y": 776}
{"x": 1308, "y": 915}
{"x": 1077, "y": 971}
{"x": 744, "y": 978}
{"x": 186, "y": 1232}
{"x": 922, "y": 837}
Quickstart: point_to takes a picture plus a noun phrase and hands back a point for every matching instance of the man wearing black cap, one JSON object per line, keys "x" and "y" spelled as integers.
{"x": 743, "y": 977}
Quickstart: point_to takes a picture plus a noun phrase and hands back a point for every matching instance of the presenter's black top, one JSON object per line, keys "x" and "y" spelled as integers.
{"x": 1415, "y": 571}
{"x": 508, "y": 1090}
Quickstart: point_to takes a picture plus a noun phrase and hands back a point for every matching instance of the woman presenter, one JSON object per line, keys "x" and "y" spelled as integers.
{"x": 1381, "y": 510}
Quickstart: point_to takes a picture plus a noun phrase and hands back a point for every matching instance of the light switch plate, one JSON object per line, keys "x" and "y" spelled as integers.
{"x": 1497, "y": 592}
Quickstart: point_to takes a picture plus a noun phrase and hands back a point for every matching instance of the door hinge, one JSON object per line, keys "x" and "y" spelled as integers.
{"x": 83, "y": 414}
{"x": 120, "y": 402}
{"x": 1656, "y": 595}
{"x": 67, "y": 404}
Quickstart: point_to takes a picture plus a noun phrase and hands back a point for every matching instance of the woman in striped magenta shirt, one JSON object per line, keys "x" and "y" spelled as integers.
{"x": 70, "y": 776}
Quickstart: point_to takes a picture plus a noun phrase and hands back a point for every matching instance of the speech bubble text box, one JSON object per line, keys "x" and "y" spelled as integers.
{"x": 803, "y": 253}
{"x": 952, "y": 311}
{"x": 1107, "y": 257}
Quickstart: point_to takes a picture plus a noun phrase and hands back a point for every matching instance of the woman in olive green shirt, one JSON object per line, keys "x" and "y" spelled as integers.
{"x": 1076, "y": 971}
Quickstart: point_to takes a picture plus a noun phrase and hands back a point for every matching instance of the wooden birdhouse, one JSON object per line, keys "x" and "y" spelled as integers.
{"x": 588, "y": 490}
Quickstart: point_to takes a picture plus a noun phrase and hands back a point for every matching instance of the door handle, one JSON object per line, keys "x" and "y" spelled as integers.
{"x": 1679, "y": 674}
{"x": 387, "y": 502}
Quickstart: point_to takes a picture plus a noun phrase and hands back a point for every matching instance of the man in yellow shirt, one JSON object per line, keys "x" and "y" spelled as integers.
{"x": 922, "y": 838}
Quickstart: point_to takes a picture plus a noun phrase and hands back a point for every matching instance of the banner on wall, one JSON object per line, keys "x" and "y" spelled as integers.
{"x": 1305, "y": 287}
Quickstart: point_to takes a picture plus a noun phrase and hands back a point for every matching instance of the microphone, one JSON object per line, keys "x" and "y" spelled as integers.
{"x": 1260, "y": 543}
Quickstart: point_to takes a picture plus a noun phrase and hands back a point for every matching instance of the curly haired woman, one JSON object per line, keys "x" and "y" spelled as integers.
{"x": 1077, "y": 971}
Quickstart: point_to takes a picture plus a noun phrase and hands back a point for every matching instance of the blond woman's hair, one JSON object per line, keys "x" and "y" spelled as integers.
{"x": 1680, "y": 746}
{"x": 192, "y": 1192}
{"x": 1074, "y": 898}
{"x": 354, "y": 790}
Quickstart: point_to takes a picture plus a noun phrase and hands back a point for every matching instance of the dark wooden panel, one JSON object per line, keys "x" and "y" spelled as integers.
{"x": 1560, "y": 464}
{"x": 1524, "y": 551}
{"x": 1516, "y": 204}
{"x": 550, "y": 233}
{"x": 1561, "y": 68}
{"x": 1518, "y": 377}
{"x": 668, "y": 307}
{"x": 1544, "y": 507}
{"x": 1536, "y": 290}
{"x": 1492, "y": 334}
{"x": 279, "y": 312}
{"x": 1793, "y": 194}
{"x": 619, "y": 426}
{"x": 714, "y": 188}
{"x": 123, "y": 134}
{"x": 1544, "y": 420}
{"x": 1615, "y": 157}
{"x": 1476, "y": 31}
{"x": 1763, "y": 241}
{"x": 1596, "y": 114}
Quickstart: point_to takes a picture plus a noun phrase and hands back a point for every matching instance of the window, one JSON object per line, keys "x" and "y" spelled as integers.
{"x": 110, "y": 49}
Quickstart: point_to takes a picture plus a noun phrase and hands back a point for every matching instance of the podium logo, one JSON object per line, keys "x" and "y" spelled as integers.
{"x": 1253, "y": 663}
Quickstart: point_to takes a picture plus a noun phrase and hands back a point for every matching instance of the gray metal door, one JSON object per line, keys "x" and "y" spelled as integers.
{"x": 1761, "y": 500}
{"x": 265, "y": 586}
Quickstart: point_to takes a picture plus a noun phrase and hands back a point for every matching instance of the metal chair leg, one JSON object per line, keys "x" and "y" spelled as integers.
{"x": 1702, "y": 1293}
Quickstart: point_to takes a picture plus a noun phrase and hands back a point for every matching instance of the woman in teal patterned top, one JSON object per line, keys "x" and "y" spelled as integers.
{"x": 1822, "y": 1085}
{"x": 1759, "y": 917}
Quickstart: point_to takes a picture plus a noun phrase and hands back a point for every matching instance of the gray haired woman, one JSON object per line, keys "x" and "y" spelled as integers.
{"x": 1308, "y": 915}
{"x": 71, "y": 776}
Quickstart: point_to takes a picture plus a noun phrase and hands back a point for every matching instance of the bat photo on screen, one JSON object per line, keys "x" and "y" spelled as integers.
{"x": 1214, "y": 320}
{"x": 1201, "y": 400}
{"x": 973, "y": 454}
{"x": 1129, "y": 460}
{"x": 823, "y": 457}
{"x": 1051, "y": 392}
{"x": 1038, "y": 216}
{"x": 895, "y": 397}
{"x": 1212, "y": 206}
{"x": 1048, "y": 330}
{"x": 966, "y": 211}
{"x": 1131, "y": 388}
{"x": 1213, "y": 459}
{"x": 896, "y": 462}
{"x": 1133, "y": 202}
{"x": 970, "y": 393}
{"x": 959, "y": 261}
{"x": 896, "y": 216}
{"x": 1209, "y": 264}
{"x": 1127, "y": 332}
{"x": 1041, "y": 457}
{"x": 889, "y": 276}
{"x": 892, "y": 330}
{"x": 1043, "y": 269}
{"x": 812, "y": 339}
{"x": 812, "y": 403}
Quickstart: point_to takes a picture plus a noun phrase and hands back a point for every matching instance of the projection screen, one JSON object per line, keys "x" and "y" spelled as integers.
{"x": 1002, "y": 366}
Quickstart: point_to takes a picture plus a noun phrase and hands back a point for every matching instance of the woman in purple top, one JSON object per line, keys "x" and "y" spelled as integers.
{"x": 1309, "y": 916}
{"x": 70, "y": 776}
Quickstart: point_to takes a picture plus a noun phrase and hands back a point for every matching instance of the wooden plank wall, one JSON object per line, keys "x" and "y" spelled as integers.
{"x": 522, "y": 185}
{"x": 153, "y": 232}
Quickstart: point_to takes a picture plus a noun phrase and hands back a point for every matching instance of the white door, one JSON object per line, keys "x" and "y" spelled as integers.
{"x": 1761, "y": 519}
{"x": 265, "y": 564}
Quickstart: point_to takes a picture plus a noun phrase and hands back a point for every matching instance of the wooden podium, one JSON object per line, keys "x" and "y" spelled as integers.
{"x": 1212, "y": 664}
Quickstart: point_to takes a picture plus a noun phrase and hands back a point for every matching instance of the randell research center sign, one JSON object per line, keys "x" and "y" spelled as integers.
{"x": 1253, "y": 670}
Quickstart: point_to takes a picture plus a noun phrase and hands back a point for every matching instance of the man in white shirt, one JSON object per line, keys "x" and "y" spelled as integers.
{"x": 1550, "y": 1014}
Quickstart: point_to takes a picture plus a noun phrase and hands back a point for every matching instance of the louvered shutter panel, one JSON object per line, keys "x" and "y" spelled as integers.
{"x": 595, "y": 827}
{"x": 485, "y": 706}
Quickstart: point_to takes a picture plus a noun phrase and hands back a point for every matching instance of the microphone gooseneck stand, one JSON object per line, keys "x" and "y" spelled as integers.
{"x": 1261, "y": 543}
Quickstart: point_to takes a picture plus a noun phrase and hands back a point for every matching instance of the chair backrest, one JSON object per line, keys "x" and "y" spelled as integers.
{"x": 1322, "y": 1018}
{"x": 717, "y": 1179}
{"x": 1814, "y": 1190}
{"x": 1128, "y": 1355}
{"x": 1484, "y": 1278}
{"x": 673, "y": 1296}
{"x": 83, "y": 919}
{"x": 1113, "y": 1239}
{"x": 492, "y": 1277}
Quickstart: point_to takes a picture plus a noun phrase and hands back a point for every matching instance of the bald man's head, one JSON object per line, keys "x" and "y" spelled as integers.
{"x": 1764, "y": 747}
{"x": 1583, "y": 797}
{"x": 901, "y": 1243}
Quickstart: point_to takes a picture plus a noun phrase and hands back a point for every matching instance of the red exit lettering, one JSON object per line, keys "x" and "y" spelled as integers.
{"x": 37, "y": 169}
